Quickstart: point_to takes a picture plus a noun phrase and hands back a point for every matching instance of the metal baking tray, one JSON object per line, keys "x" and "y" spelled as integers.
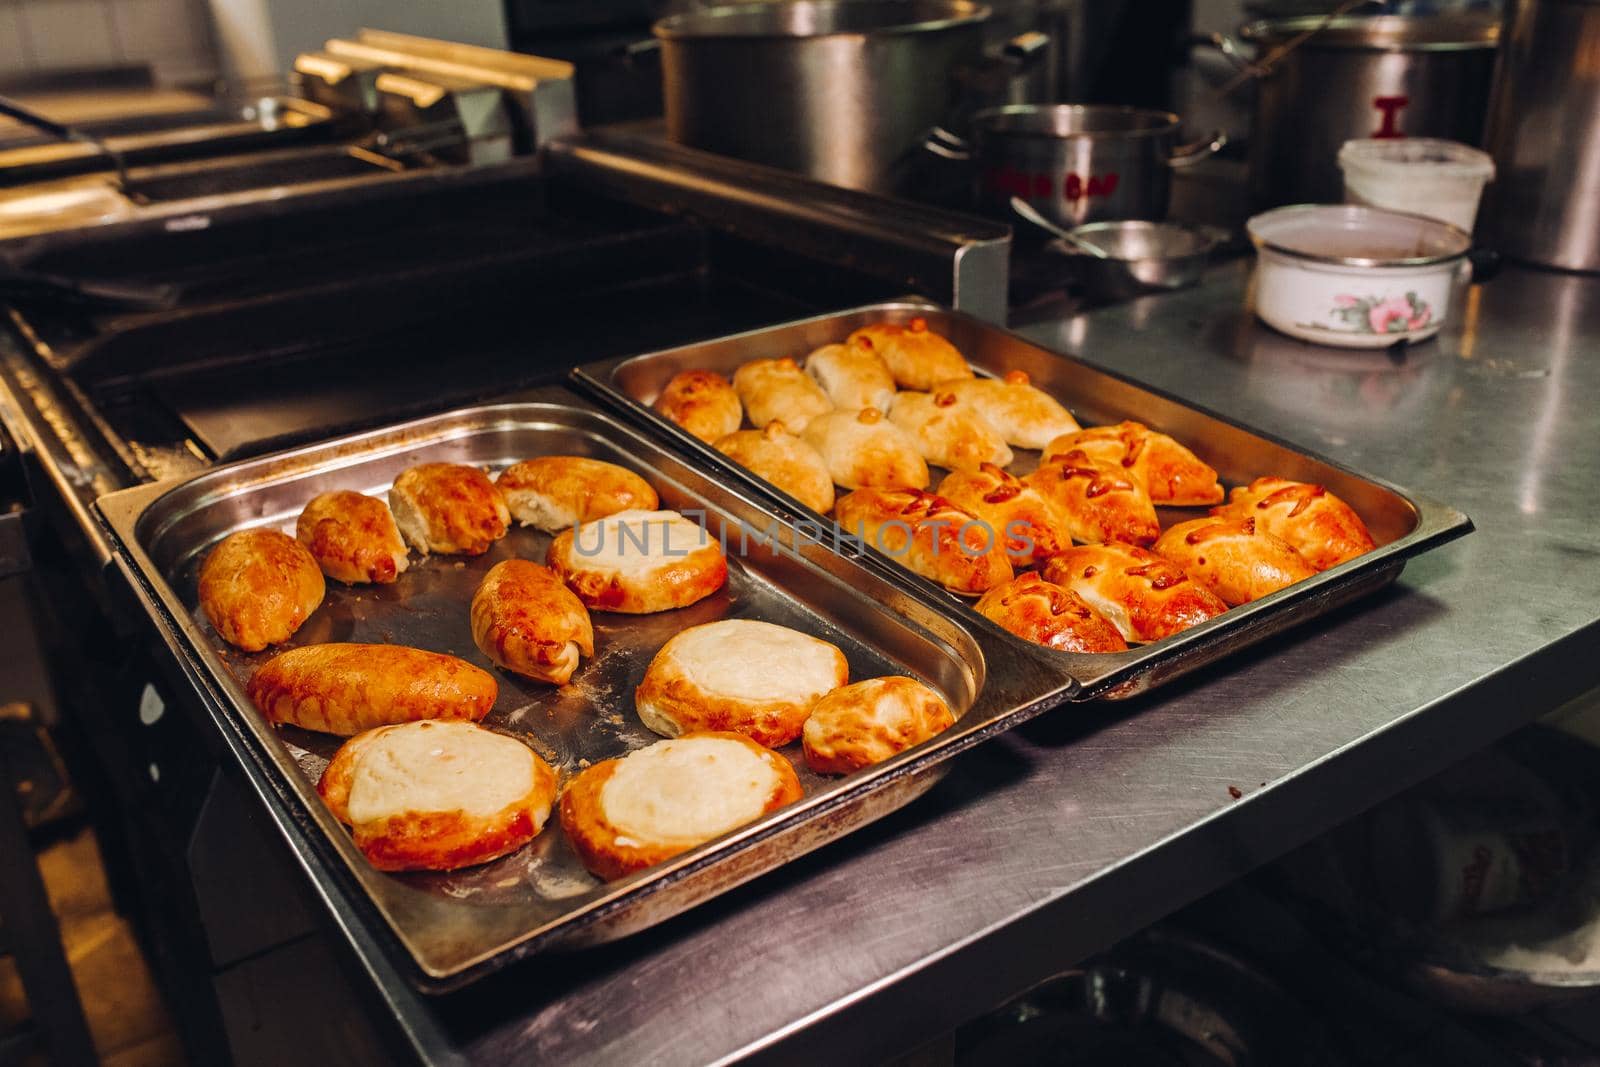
{"x": 461, "y": 925}
{"x": 1402, "y": 523}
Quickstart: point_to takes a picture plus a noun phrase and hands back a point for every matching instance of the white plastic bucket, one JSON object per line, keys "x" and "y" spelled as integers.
{"x": 1418, "y": 175}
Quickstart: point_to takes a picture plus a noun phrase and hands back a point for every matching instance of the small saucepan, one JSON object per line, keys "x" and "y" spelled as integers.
{"x": 1140, "y": 257}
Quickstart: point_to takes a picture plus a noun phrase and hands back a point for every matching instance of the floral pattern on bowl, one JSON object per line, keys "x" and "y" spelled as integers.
{"x": 1376, "y": 314}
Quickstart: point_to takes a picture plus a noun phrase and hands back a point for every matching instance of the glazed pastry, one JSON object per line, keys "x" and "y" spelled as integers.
{"x": 555, "y": 493}
{"x": 1025, "y": 416}
{"x": 868, "y": 722}
{"x": 352, "y": 537}
{"x": 527, "y": 621}
{"x": 1144, "y": 596}
{"x": 1033, "y": 527}
{"x": 916, "y": 356}
{"x": 775, "y": 455}
{"x": 702, "y": 402}
{"x": 927, "y": 535}
{"x": 865, "y": 450}
{"x": 449, "y": 508}
{"x": 347, "y": 688}
{"x": 1234, "y": 558}
{"x": 1169, "y": 472}
{"x": 636, "y": 562}
{"x": 1321, "y": 527}
{"x": 258, "y": 586}
{"x": 854, "y": 377}
{"x": 436, "y": 796}
{"x": 624, "y": 815}
{"x": 778, "y": 389}
{"x": 1050, "y": 615}
{"x": 1097, "y": 502}
{"x": 751, "y": 678}
{"x": 949, "y": 433}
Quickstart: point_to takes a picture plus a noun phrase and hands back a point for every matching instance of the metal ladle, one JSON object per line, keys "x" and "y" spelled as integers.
{"x": 1027, "y": 211}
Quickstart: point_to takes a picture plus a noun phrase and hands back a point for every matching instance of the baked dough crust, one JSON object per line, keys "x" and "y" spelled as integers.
{"x": 449, "y": 508}
{"x": 778, "y": 456}
{"x": 916, "y": 356}
{"x": 638, "y": 562}
{"x": 352, "y": 537}
{"x": 854, "y": 377}
{"x": 1027, "y": 417}
{"x": 866, "y": 723}
{"x": 777, "y": 389}
{"x": 1234, "y": 558}
{"x": 928, "y": 535}
{"x": 1144, "y": 596}
{"x": 702, "y": 402}
{"x": 1323, "y": 528}
{"x": 1033, "y": 527}
{"x": 430, "y": 838}
{"x": 527, "y": 621}
{"x": 751, "y": 678}
{"x": 865, "y": 450}
{"x": 258, "y": 586}
{"x": 1098, "y": 502}
{"x": 611, "y": 851}
{"x": 347, "y": 688}
{"x": 1168, "y": 471}
{"x": 949, "y": 432}
{"x": 1050, "y": 615}
{"x": 554, "y": 493}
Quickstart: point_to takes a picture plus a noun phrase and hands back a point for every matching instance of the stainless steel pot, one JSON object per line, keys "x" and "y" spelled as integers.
{"x": 842, "y": 91}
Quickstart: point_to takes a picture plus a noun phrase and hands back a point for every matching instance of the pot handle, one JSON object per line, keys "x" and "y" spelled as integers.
{"x": 941, "y": 142}
{"x": 1230, "y": 49}
{"x": 1026, "y": 49}
{"x": 1188, "y": 155}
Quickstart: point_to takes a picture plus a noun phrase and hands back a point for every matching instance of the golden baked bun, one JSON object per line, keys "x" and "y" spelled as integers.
{"x": 555, "y": 493}
{"x": 778, "y": 389}
{"x": 1234, "y": 558}
{"x": 778, "y": 456}
{"x": 258, "y": 586}
{"x": 927, "y": 535}
{"x": 352, "y": 537}
{"x": 347, "y": 688}
{"x": 865, "y": 450}
{"x": 1168, "y": 471}
{"x": 636, "y": 562}
{"x": 1033, "y": 528}
{"x": 853, "y": 377}
{"x": 624, "y": 815}
{"x": 1050, "y": 615}
{"x": 449, "y": 508}
{"x": 702, "y": 402}
{"x": 866, "y": 723}
{"x": 1025, "y": 416}
{"x": 1144, "y": 596}
{"x": 949, "y": 432}
{"x": 916, "y": 356}
{"x": 1321, "y": 527}
{"x": 751, "y": 678}
{"x": 527, "y": 621}
{"x": 435, "y": 796}
{"x": 1098, "y": 501}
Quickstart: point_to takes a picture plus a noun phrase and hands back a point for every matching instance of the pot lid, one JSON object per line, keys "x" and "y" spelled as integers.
{"x": 798, "y": 19}
{"x": 1381, "y": 33}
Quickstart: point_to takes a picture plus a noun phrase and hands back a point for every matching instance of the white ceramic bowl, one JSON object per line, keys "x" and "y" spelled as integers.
{"x": 1356, "y": 277}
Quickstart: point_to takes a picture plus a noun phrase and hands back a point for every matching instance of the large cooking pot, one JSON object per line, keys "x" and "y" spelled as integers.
{"x": 841, "y": 90}
{"x": 1355, "y": 77}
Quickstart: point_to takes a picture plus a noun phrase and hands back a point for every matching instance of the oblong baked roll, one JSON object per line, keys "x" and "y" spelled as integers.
{"x": 865, "y": 450}
{"x": 916, "y": 356}
{"x": 927, "y": 535}
{"x": 1098, "y": 502}
{"x": 1027, "y": 417}
{"x": 449, "y": 508}
{"x": 347, "y": 688}
{"x": 949, "y": 432}
{"x": 1321, "y": 527}
{"x": 853, "y": 377}
{"x": 525, "y": 619}
{"x": 554, "y": 493}
{"x": 1234, "y": 558}
{"x": 624, "y": 815}
{"x": 637, "y": 562}
{"x": 352, "y": 537}
{"x": 866, "y": 723}
{"x": 1144, "y": 596}
{"x": 1168, "y": 471}
{"x": 437, "y": 796}
{"x": 1032, "y": 526}
{"x": 258, "y": 586}
{"x": 702, "y": 402}
{"x": 778, "y": 456}
{"x": 751, "y": 678}
{"x": 778, "y": 389}
{"x": 1050, "y": 615}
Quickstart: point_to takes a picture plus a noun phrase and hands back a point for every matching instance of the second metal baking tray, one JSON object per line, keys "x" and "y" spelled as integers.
{"x": 1402, "y": 523}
